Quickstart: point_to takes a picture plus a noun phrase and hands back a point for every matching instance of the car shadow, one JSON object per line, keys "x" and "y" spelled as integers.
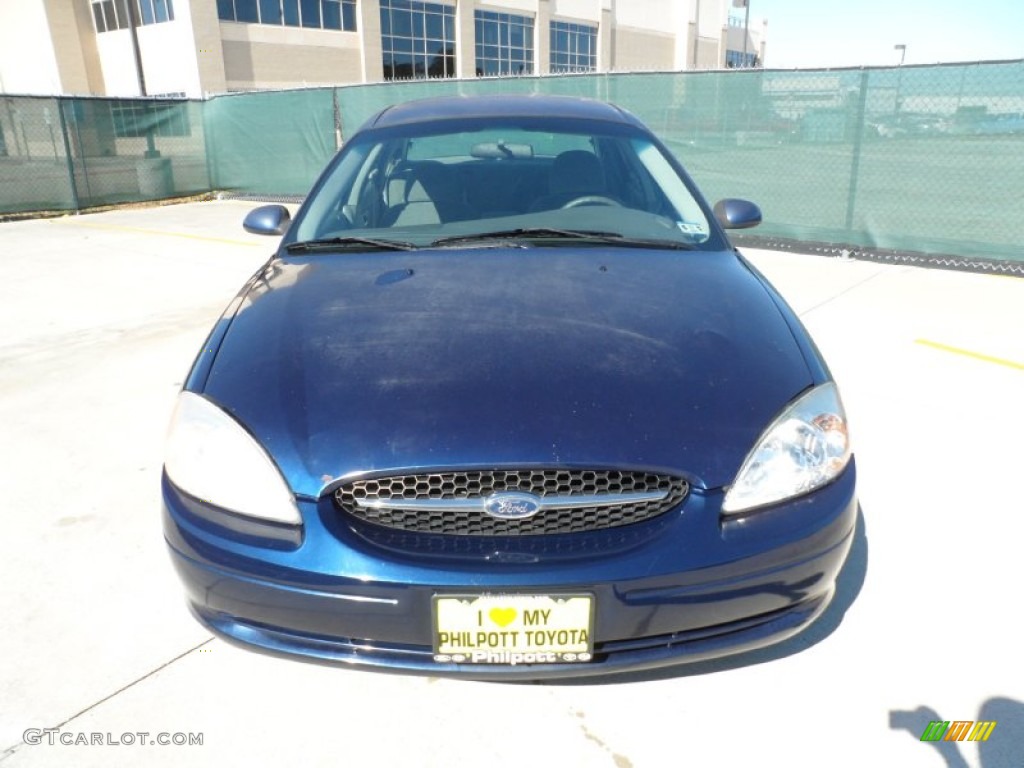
{"x": 848, "y": 587}
{"x": 1000, "y": 750}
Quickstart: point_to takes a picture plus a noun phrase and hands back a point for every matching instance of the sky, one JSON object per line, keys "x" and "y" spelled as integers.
{"x": 844, "y": 33}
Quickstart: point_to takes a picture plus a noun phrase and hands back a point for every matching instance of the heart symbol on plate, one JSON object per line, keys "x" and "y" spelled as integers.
{"x": 502, "y": 616}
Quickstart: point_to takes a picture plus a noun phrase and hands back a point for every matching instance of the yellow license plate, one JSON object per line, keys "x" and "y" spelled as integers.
{"x": 513, "y": 629}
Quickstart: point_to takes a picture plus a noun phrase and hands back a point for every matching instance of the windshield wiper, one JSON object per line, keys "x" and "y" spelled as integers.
{"x": 328, "y": 243}
{"x": 651, "y": 242}
{"x": 510, "y": 234}
{"x": 568, "y": 234}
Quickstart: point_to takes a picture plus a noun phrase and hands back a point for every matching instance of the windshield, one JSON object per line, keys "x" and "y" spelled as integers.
{"x": 439, "y": 185}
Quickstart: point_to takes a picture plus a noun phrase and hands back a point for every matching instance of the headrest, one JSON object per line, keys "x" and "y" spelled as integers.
{"x": 576, "y": 171}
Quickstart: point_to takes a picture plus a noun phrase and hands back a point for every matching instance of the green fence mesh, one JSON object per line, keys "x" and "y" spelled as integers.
{"x": 34, "y": 169}
{"x": 922, "y": 159}
{"x": 907, "y": 158}
{"x": 272, "y": 142}
{"x": 68, "y": 154}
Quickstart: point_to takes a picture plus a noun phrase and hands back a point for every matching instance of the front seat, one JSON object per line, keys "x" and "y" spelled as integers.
{"x": 410, "y": 204}
{"x": 575, "y": 173}
{"x": 427, "y": 193}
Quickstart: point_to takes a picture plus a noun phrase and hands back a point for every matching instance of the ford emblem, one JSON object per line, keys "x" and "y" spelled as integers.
{"x": 512, "y": 506}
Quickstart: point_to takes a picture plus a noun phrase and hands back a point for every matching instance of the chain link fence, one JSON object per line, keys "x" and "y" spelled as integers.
{"x": 273, "y": 143}
{"x": 70, "y": 154}
{"x": 895, "y": 160}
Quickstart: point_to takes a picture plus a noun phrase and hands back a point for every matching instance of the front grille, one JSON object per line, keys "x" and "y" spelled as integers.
{"x": 567, "y": 487}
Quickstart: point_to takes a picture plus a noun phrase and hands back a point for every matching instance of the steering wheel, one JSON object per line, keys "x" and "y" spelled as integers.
{"x": 591, "y": 200}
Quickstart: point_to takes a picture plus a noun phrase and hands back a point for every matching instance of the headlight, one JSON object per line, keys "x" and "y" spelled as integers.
{"x": 806, "y": 447}
{"x": 210, "y": 456}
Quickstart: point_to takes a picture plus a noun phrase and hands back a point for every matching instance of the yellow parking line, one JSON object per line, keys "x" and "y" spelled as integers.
{"x": 165, "y": 233}
{"x": 968, "y": 353}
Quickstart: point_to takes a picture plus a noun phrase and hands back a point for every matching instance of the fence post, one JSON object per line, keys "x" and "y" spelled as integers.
{"x": 68, "y": 160}
{"x": 339, "y": 136}
{"x": 209, "y": 144}
{"x": 858, "y": 140}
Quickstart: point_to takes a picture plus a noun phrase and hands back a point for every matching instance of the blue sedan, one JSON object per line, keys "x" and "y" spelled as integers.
{"x": 505, "y": 403}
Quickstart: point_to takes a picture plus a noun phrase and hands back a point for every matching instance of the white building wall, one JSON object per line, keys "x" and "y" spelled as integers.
{"x": 522, "y": 7}
{"x": 28, "y": 63}
{"x": 646, "y": 35}
{"x": 118, "y": 63}
{"x": 680, "y": 18}
{"x": 706, "y": 45}
{"x": 651, "y": 15}
{"x": 169, "y": 56}
{"x": 581, "y": 10}
{"x": 712, "y": 16}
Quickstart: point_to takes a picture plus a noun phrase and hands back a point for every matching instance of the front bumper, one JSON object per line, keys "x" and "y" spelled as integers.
{"x": 667, "y": 599}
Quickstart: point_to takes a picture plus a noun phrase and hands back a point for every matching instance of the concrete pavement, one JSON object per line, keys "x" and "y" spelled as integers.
{"x": 101, "y": 315}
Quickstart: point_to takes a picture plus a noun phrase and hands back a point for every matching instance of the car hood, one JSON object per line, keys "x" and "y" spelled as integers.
{"x": 591, "y": 357}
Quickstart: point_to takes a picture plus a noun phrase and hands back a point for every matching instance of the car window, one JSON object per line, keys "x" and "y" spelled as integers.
{"x": 456, "y": 145}
{"x": 422, "y": 184}
{"x": 685, "y": 210}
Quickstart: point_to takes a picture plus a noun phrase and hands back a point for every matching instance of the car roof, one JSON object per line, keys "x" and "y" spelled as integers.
{"x": 532, "y": 105}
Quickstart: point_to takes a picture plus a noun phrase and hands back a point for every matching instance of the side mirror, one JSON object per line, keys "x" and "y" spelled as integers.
{"x": 737, "y": 214}
{"x": 268, "y": 220}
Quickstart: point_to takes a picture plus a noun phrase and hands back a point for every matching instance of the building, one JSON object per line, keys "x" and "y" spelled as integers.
{"x": 128, "y": 48}
{"x": 745, "y": 42}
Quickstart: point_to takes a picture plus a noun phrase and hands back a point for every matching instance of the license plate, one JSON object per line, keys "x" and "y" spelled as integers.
{"x": 513, "y": 629}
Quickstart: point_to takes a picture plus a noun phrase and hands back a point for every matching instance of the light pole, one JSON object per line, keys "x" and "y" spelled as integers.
{"x": 902, "y": 48}
{"x": 746, "y": 30}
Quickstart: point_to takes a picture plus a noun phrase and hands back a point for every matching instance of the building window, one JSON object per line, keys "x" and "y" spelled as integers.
{"x": 134, "y": 119}
{"x": 417, "y": 38}
{"x": 573, "y": 47}
{"x": 113, "y": 14}
{"x": 110, "y": 15}
{"x": 737, "y": 60}
{"x": 504, "y": 44}
{"x": 315, "y": 14}
{"x": 155, "y": 11}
